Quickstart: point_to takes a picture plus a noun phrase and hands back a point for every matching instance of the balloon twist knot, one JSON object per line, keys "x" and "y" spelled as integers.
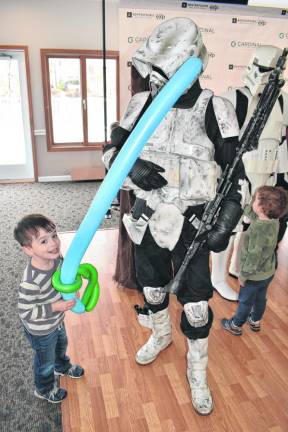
{"x": 91, "y": 294}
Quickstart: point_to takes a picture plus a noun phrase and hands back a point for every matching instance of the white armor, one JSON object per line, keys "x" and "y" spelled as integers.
{"x": 263, "y": 164}
{"x": 191, "y": 180}
{"x": 262, "y": 62}
{"x": 169, "y": 46}
{"x": 154, "y": 295}
{"x": 187, "y": 155}
{"x": 197, "y": 313}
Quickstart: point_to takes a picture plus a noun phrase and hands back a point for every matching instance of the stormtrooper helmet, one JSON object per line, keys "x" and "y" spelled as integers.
{"x": 167, "y": 48}
{"x": 262, "y": 62}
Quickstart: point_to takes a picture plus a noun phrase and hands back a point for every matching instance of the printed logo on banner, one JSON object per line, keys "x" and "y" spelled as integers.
{"x": 206, "y": 77}
{"x": 199, "y": 6}
{"x": 236, "y": 67}
{"x": 259, "y": 22}
{"x": 136, "y": 39}
{"x": 283, "y": 35}
{"x": 207, "y": 30}
{"x": 144, "y": 15}
{"x": 244, "y": 44}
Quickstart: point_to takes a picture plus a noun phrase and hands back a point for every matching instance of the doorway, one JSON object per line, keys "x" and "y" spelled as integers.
{"x": 17, "y": 147}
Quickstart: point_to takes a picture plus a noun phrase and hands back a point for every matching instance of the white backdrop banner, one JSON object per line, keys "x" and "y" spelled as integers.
{"x": 229, "y": 38}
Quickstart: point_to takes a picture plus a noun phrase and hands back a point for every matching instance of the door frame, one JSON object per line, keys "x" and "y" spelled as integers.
{"x": 24, "y": 48}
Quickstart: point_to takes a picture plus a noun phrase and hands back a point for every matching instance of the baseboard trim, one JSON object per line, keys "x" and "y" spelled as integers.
{"x": 54, "y": 178}
{"x": 28, "y": 180}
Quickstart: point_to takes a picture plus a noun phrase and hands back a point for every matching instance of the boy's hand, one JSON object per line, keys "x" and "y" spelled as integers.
{"x": 62, "y": 305}
{"x": 241, "y": 282}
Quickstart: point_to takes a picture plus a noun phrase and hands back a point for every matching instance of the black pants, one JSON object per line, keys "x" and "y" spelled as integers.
{"x": 155, "y": 267}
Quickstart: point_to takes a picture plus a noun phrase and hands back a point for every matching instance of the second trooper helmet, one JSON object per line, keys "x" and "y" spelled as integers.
{"x": 168, "y": 47}
{"x": 261, "y": 63}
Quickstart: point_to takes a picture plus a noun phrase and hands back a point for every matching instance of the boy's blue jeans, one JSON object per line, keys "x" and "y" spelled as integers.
{"x": 50, "y": 355}
{"x": 252, "y": 299}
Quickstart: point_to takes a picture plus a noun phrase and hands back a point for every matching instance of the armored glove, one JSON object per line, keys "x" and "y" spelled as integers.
{"x": 229, "y": 215}
{"x": 145, "y": 175}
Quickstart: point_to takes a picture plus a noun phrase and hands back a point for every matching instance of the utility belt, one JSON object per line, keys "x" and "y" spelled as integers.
{"x": 137, "y": 221}
{"x": 165, "y": 226}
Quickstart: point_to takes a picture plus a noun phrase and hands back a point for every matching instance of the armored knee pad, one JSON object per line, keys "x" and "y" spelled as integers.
{"x": 196, "y": 320}
{"x": 154, "y": 296}
{"x": 155, "y": 299}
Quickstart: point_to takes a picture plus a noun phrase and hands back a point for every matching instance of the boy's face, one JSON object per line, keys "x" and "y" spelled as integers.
{"x": 256, "y": 205}
{"x": 44, "y": 247}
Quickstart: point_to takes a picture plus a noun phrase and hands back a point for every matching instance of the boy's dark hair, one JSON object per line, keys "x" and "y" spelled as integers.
{"x": 273, "y": 201}
{"x": 29, "y": 226}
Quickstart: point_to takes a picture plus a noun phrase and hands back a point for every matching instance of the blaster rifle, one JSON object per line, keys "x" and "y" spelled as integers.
{"x": 248, "y": 142}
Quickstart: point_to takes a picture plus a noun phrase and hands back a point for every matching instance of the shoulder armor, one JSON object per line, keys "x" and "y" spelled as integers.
{"x": 231, "y": 96}
{"x": 246, "y": 92}
{"x": 226, "y": 117}
{"x": 133, "y": 110}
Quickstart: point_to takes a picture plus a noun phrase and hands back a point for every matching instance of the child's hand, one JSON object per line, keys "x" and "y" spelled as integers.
{"x": 62, "y": 305}
{"x": 241, "y": 282}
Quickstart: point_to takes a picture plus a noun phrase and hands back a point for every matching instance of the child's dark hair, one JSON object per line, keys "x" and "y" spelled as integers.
{"x": 29, "y": 226}
{"x": 273, "y": 201}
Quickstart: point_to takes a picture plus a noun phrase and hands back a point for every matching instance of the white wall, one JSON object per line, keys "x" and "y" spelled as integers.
{"x": 56, "y": 24}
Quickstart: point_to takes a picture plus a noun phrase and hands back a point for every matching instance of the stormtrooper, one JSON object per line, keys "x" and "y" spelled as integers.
{"x": 175, "y": 175}
{"x": 267, "y": 165}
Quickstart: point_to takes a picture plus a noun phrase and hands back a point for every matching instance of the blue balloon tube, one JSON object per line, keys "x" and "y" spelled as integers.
{"x": 124, "y": 162}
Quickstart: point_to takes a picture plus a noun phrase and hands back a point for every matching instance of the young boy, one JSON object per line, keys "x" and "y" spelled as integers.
{"x": 41, "y": 308}
{"x": 257, "y": 259}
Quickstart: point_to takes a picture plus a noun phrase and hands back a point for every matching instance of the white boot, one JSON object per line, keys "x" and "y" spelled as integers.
{"x": 160, "y": 338}
{"x": 197, "y": 359}
{"x": 219, "y": 273}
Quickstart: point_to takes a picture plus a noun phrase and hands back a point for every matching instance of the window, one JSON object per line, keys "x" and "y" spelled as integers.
{"x": 74, "y": 97}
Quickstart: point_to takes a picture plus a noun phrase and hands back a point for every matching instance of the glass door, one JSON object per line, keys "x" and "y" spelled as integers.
{"x": 16, "y": 150}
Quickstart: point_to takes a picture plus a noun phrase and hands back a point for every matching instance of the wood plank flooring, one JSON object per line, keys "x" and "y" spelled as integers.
{"x": 248, "y": 375}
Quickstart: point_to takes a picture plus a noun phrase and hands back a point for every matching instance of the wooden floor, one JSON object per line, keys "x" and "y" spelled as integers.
{"x": 248, "y": 375}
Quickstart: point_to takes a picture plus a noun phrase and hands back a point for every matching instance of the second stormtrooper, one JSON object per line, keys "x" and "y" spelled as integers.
{"x": 268, "y": 164}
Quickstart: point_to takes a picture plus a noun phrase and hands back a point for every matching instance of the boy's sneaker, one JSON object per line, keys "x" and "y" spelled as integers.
{"x": 54, "y": 396}
{"x": 228, "y": 325}
{"x": 75, "y": 371}
{"x": 254, "y": 325}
